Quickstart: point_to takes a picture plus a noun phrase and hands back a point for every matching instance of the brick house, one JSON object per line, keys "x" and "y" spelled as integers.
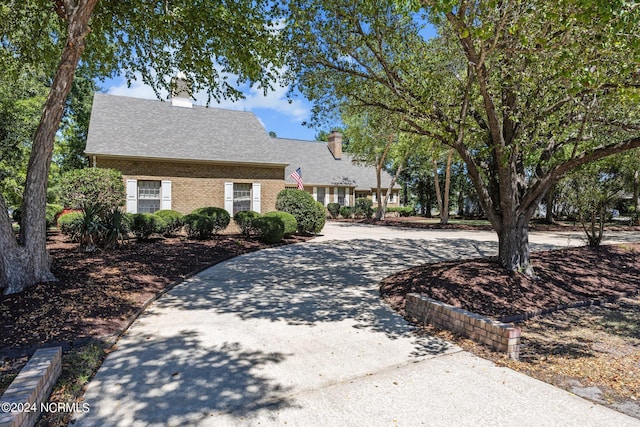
{"x": 174, "y": 155}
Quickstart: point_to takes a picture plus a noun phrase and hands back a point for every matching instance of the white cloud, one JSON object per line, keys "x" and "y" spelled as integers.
{"x": 275, "y": 100}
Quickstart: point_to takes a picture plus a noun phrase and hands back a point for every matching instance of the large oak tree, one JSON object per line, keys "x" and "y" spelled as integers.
{"x": 217, "y": 44}
{"x": 523, "y": 90}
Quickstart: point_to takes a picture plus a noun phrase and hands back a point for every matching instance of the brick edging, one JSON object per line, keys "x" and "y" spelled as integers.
{"x": 498, "y": 335}
{"x": 31, "y": 388}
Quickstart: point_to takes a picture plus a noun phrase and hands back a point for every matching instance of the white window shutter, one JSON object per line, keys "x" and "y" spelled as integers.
{"x": 315, "y": 193}
{"x": 335, "y": 194}
{"x": 347, "y": 191}
{"x": 256, "y": 197}
{"x": 326, "y": 196}
{"x": 228, "y": 197}
{"x": 165, "y": 202}
{"x": 132, "y": 196}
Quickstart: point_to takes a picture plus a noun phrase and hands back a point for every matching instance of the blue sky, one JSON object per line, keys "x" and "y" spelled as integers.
{"x": 274, "y": 110}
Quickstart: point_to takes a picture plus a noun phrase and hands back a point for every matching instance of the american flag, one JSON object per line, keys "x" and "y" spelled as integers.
{"x": 297, "y": 177}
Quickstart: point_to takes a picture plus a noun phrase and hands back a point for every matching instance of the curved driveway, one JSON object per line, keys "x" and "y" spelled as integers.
{"x": 298, "y": 336}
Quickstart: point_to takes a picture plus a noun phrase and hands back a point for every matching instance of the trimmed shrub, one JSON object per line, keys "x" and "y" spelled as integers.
{"x": 289, "y": 221}
{"x": 303, "y": 207}
{"x": 270, "y": 229}
{"x": 334, "y": 210}
{"x": 144, "y": 225}
{"x": 172, "y": 221}
{"x": 243, "y": 220}
{"x": 198, "y": 226}
{"x": 52, "y": 213}
{"x": 363, "y": 208}
{"x": 219, "y": 216}
{"x": 346, "y": 212}
{"x": 68, "y": 223}
{"x": 92, "y": 186}
{"x": 402, "y": 210}
{"x": 319, "y": 218}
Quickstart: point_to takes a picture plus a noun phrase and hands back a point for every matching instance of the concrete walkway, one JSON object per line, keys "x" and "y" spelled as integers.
{"x": 298, "y": 336}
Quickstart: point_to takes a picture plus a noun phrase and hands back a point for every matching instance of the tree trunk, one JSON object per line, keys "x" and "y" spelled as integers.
{"x": 436, "y": 184}
{"x": 549, "y": 202}
{"x": 26, "y": 262}
{"x": 379, "y": 212}
{"x": 513, "y": 247}
{"x": 444, "y": 215}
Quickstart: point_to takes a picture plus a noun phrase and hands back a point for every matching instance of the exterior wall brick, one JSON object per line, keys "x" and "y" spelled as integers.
{"x": 198, "y": 184}
{"x": 500, "y": 336}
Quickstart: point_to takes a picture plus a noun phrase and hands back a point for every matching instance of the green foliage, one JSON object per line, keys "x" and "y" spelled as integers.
{"x": 67, "y": 223}
{"x": 243, "y": 220}
{"x": 346, "y": 212}
{"x": 303, "y": 207}
{"x": 334, "y": 209}
{"x": 219, "y": 216}
{"x": 198, "y": 226}
{"x": 95, "y": 227}
{"x": 591, "y": 192}
{"x": 92, "y": 185}
{"x": 363, "y": 208}
{"x": 172, "y": 221}
{"x": 402, "y": 210}
{"x": 289, "y": 221}
{"x": 143, "y": 225}
{"x": 270, "y": 229}
{"x": 52, "y": 213}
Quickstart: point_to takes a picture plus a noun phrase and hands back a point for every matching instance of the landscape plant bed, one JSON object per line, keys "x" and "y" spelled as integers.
{"x": 593, "y": 351}
{"x": 97, "y": 293}
{"x": 482, "y": 286}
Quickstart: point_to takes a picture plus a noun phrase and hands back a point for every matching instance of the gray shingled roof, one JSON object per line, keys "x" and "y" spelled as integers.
{"x": 319, "y": 167}
{"x": 132, "y": 127}
{"x": 142, "y": 128}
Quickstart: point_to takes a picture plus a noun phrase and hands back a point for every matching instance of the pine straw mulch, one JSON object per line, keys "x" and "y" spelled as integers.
{"x": 592, "y": 351}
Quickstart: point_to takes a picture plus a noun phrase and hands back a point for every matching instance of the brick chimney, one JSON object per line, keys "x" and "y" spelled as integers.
{"x": 180, "y": 91}
{"x": 335, "y": 144}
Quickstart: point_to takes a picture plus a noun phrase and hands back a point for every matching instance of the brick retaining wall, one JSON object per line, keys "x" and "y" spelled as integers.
{"x": 31, "y": 387}
{"x": 497, "y": 335}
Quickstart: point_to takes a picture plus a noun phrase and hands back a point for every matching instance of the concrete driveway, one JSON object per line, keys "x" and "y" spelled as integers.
{"x": 298, "y": 336}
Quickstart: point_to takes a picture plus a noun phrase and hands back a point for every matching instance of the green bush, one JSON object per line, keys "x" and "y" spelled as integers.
{"x": 363, "y": 208}
{"x": 319, "y": 218}
{"x": 144, "y": 225}
{"x": 270, "y": 229}
{"x": 402, "y": 210}
{"x": 334, "y": 210}
{"x": 68, "y": 223}
{"x": 172, "y": 221}
{"x": 198, "y": 226}
{"x": 86, "y": 228}
{"x": 52, "y": 213}
{"x": 346, "y": 212}
{"x": 243, "y": 220}
{"x": 303, "y": 207}
{"x": 219, "y": 216}
{"x": 289, "y": 221}
{"x": 92, "y": 186}
{"x": 116, "y": 228}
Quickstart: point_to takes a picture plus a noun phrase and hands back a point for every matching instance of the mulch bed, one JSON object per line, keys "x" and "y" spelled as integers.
{"x": 97, "y": 294}
{"x": 482, "y": 286}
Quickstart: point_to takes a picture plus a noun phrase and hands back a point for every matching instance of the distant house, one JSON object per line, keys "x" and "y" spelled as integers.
{"x": 174, "y": 155}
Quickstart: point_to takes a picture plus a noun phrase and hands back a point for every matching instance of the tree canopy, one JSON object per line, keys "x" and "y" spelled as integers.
{"x": 524, "y": 91}
{"x": 217, "y": 45}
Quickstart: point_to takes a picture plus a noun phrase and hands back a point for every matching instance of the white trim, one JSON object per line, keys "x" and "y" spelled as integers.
{"x": 256, "y": 205}
{"x": 228, "y": 197}
{"x": 326, "y": 196}
{"x": 132, "y": 195}
{"x": 165, "y": 195}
